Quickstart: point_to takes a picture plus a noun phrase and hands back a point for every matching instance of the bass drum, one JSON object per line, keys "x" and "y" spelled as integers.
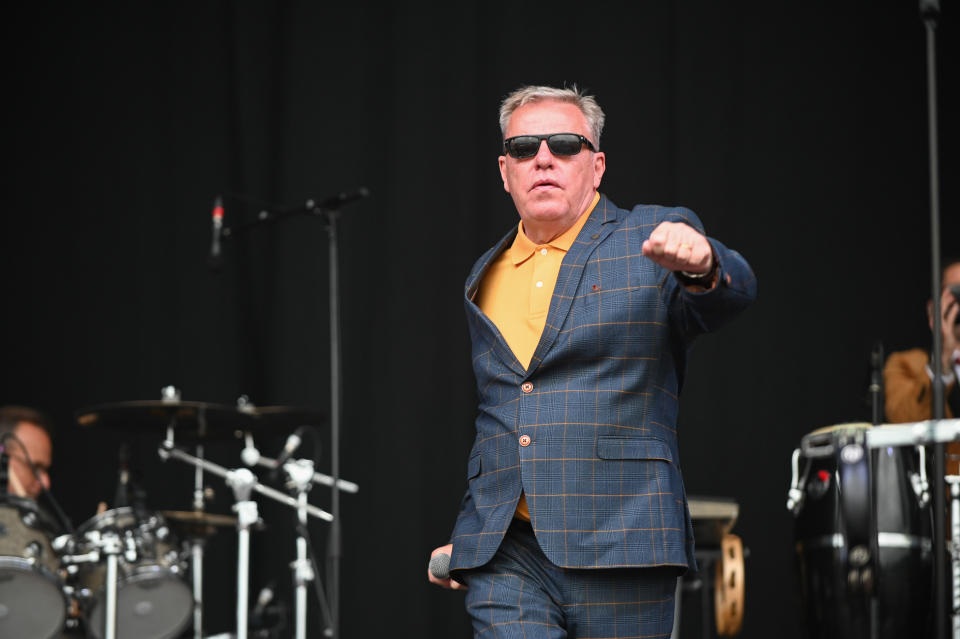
{"x": 846, "y": 576}
{"x": 153, "y": 600}
{"x": 32, "y": 600}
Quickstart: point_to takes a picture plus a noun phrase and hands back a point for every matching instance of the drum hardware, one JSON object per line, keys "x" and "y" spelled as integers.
{"x": 195, "y": 526}
{"x": 856, "y": 551}
{"x": 252, "y": 457}
{"x": 797, "y": 484}
{"x": 301, "y": 475}
{"x": 30, "y": 578}
{"x": 954, "y": 482}
{"x": 921, "y": 487}
{"x": 125, "y": 569}
{"x": 243, "y": 483}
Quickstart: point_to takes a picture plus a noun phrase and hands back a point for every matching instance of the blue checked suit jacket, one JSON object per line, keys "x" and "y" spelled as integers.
{"x": 599, "y": 402}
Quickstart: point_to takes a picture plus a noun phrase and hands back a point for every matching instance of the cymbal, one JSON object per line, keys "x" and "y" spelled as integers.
{"x": 199, "y": 517}
{"x": 190, "y": 420}
{"x": 196, "y": 523}
{"x": 287, "y": 417}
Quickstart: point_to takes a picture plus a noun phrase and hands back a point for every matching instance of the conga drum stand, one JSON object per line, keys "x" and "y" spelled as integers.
{"x": 954, "y": 483}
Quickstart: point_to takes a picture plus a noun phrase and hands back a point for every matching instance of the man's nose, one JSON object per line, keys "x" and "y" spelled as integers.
{"x": 544, "y": 157}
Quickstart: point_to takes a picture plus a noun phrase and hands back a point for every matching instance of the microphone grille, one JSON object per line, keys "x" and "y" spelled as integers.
{"x": 440, "y": 566}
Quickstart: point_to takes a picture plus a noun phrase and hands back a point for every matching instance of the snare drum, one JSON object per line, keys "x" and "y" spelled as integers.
{"x": 843, "y": 493}
{"x": 32, "y": 600}
{"x": 153, "y": 600}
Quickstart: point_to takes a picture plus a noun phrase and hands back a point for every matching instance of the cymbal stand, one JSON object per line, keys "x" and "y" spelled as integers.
{"x": 196, "y": 552}
{"x": 101, "y": 544}
{"x": 111, "y": 548}
{"x": 196, "y": 544}
{"x": 300, "y": 473}
{"x": 252, "y": 457}
{"x": 954, "y": 482}
{"x": 243, "y": 482}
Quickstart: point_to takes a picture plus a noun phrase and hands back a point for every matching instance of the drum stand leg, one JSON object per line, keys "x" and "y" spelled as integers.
{"x": 954, "y": 482}
{"x": 242, "y": 481}
{"x": 302, "y": 573}
{"x": 196, "y": 561}
{"x": 196, "y": 552}
{"x": 301, "y": 473}
{"x": 111, "y": 548}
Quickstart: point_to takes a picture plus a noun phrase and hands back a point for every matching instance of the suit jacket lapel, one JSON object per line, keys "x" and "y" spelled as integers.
{"x": 500, "y": 346}
{"x": 599, "y": 225}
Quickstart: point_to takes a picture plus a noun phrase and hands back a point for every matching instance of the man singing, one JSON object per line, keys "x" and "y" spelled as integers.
{"x": 575, "y": 520}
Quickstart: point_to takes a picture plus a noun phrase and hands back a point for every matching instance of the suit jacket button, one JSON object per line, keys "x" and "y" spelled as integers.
{"x": 524, "y": 440}
{"x": 526, "y": 387}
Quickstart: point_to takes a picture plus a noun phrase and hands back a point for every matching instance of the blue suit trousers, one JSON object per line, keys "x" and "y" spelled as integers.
{"x": 520, "y": 594}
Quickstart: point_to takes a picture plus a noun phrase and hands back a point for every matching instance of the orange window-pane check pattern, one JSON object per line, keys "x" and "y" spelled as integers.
{"x": 516, "y": 292}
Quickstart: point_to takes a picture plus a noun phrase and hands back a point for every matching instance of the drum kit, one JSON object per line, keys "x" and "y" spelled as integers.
{"x": 132, "y": 573}
{"x": 863, "y": 528}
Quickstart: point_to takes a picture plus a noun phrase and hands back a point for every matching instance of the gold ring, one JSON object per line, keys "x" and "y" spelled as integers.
{"x": 683, "y": 244}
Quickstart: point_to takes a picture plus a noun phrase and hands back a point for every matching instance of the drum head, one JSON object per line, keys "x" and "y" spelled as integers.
{"x": 153, "y": 604}
{"x": 31, "y": 603}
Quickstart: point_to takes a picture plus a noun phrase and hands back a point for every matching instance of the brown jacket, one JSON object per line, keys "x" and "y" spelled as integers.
{"x": 908, "y": 388}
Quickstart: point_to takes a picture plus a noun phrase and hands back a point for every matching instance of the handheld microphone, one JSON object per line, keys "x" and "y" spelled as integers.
{"x": 217, "y": 233}
{"x": 440, "y": 566}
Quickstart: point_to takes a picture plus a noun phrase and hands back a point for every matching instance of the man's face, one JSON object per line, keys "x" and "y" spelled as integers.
{"x": 551, "y": 191}
{"x": 37, "y": 444}
{"x": 951, "y": 277}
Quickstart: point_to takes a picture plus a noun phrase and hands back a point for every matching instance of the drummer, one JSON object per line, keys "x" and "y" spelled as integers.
{"x": 907, "y": 374}
{"x": 25, "y": 434}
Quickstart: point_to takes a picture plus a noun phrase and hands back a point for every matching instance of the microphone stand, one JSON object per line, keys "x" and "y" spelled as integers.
{"x": 330, "y": 210}
{"x": 334, "y": 543}
{"x": 929, "y": 12}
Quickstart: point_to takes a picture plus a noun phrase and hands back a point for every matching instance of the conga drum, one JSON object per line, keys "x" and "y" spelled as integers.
{"x": 862, "y": 536}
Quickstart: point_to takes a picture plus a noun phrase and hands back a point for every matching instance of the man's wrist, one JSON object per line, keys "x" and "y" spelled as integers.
{"x": 705, "y": 279}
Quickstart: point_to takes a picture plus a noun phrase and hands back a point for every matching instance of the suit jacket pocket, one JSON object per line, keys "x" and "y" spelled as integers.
{"x": 633, "y": 448}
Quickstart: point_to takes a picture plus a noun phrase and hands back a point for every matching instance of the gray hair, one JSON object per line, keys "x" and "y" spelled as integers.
{"x": 586, "y": 103}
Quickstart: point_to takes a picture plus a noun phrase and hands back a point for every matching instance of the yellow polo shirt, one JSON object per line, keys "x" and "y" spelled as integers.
{"x": 516, "y": 291}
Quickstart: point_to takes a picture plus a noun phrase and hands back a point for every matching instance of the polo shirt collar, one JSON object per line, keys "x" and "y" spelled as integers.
{"x": 523, "y": 247}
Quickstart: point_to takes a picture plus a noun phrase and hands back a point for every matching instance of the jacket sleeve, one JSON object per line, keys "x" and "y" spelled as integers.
{"x": 693, "y": 313}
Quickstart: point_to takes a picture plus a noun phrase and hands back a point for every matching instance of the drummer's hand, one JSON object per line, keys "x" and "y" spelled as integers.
{"x": 444, "y": 583}
{"x": 949, "y": 310}
{"x": 101, "y": 507}
{"x": 679, "y": 247}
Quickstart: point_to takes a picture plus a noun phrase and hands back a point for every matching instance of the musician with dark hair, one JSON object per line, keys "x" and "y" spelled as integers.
{"x": 25, "y": 435}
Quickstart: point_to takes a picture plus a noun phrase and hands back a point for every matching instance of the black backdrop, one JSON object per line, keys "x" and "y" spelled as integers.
{"x": 796, "y": 130}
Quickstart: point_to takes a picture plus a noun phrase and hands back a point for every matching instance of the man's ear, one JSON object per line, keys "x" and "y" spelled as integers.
{"x": 502, "y": 161}
{"x": 599, "y": 166}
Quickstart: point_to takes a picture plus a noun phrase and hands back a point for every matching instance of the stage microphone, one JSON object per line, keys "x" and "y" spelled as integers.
{"x": 293, "y": 443}
{"x": 263, "y": 600}
{"x": 440, "y": 566}
{"x": 217, "y": 232}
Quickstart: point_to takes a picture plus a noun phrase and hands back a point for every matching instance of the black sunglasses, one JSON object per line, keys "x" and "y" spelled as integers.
{"x": 527, "y": 146}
